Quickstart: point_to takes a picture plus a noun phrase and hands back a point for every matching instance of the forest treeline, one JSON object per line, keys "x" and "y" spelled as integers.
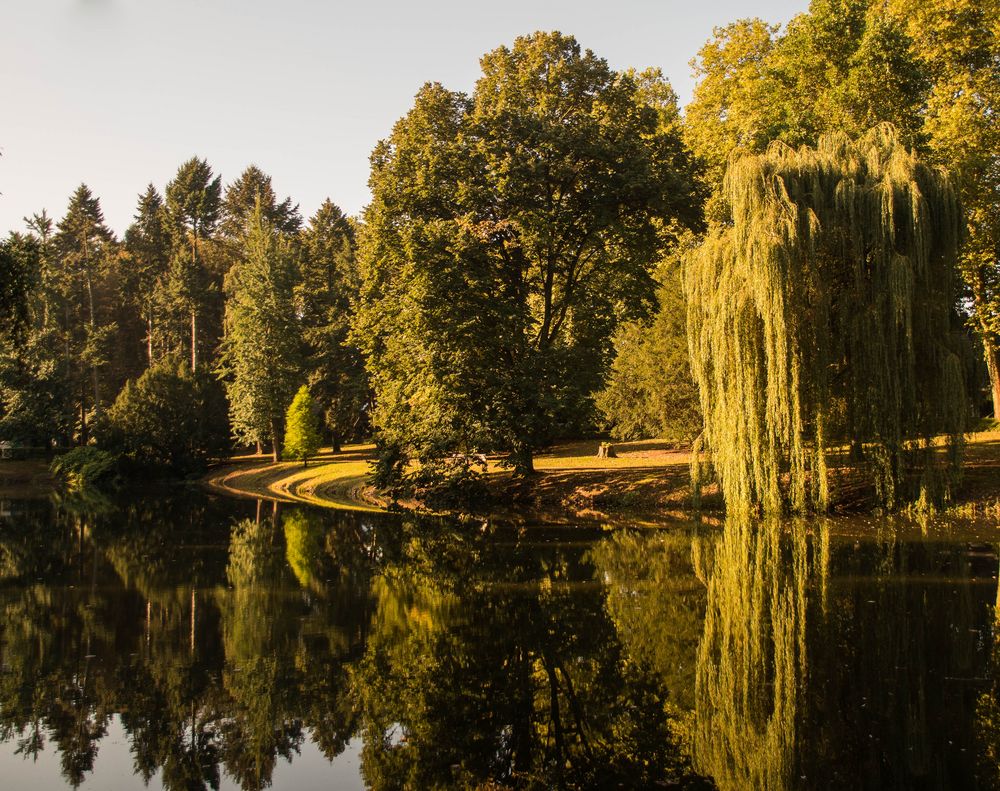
{"x": 546, "y": 257}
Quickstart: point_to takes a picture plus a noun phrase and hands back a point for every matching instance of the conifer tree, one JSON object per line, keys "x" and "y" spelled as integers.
{"x": 83, "y": 245}
{"x": 193, "y": 204}
{"x": 302, "y": 438}
{"x": 18, "y": 272}
{"x": 325, "y": 300}
{"x": 241, "y": 197}
{"x": 260, "y": 359}
{"x": 820, "y": 314}
{"x": 147, "y": 246}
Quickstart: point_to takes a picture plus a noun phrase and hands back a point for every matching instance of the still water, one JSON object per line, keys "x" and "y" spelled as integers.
{"x": 190, "y": 642}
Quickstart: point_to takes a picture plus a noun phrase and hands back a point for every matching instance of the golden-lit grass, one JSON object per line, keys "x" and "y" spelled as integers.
{"x": 649, "y": 476}
{"x": 333, "y": 480}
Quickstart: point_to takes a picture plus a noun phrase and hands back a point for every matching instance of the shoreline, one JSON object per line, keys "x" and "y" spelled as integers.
{"x": 647, "y": 484}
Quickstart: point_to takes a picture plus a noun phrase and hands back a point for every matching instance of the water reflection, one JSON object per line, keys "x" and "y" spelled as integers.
{"x": 224, "y": 638}
{"x": 846, "y": 666}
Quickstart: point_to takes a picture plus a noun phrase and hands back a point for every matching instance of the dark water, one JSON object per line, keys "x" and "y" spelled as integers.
{"x": 191, "y": 642}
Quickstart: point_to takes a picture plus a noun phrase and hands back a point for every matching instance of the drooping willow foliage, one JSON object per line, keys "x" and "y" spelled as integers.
{"x": 752, "y": 669}
{"x": 821, "y": 315}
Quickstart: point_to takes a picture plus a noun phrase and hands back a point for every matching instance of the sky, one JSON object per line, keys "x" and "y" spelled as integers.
{"x": 118, "y": 93}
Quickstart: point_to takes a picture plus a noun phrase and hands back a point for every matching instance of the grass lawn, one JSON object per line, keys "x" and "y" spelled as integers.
{"x": 647, "y": 477}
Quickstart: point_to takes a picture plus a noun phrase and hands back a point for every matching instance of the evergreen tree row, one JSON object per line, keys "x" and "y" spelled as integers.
{"x": 212, "y": 296}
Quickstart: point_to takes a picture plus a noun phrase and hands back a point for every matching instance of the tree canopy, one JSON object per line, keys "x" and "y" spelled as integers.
{"x": 260, "y": 359}
{"x": 510, "y": 231}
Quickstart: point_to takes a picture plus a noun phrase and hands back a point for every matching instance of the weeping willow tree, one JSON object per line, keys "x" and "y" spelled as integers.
{"x": 821, "y": 315}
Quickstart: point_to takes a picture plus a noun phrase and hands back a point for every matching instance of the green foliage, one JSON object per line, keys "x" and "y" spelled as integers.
{"x": 326, "y": 298}
{"x": 302, "y": 438}
{"x": 821, "y": 315}
{"x": 194, "y": 199}
{"x": 958, "y": 46}
{"x": 509, "y": 233}
{"x": 260, "y": 357}
{"x": 845, "y": 65}
{"x": 650, "y": 392}
{"x": 927, "y": 67}
{"x": 18, "y": 268}
{"x": 241, "y": 198}
{"x": 85, "y": 467}
{"x": 169, "y": 418}
{"x": 147, "y": 248}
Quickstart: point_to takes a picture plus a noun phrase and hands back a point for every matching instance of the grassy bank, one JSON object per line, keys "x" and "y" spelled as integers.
{"x": 571, "y": 480}
{"x": 648, "y": 481}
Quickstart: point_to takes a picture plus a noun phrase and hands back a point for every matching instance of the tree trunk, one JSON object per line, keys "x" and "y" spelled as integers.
{"x": 260, "y": 448}
{"x": 275, "y": 440}
{"x": 194, "y": 340}
{"x": 992, "y": 354}
{"x": 336, "y": 442}
{"x": 522, "y": 459}
{"x": 149, "y": 340}
{"x": 93, "y": 329}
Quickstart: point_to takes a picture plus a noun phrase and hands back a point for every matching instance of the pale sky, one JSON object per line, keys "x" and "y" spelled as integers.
{"x": 118, "y": 93}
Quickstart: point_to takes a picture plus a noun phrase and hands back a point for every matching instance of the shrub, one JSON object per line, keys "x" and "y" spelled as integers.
{"x": 86, "y": 467}
{"x": 302, "y": 427}
{"x": 169, "y": 418}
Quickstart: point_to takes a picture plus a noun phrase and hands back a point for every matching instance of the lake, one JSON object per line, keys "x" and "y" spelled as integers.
{"x": 182, "y": 640}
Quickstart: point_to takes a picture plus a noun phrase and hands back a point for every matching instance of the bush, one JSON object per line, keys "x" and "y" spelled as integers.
{"x": 169, "y": 418}
{"x": 302, "y": 427}
{"x": 86, "y": 467}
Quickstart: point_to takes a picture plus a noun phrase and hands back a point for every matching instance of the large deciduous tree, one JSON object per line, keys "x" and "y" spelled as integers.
{"x": 509, "y": 233}
{"x": 820, "y": 314}
{"x": 958, "y": 45}
{"x": 260, "y": 360}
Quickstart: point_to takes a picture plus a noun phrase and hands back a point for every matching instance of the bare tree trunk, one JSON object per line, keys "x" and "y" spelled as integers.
{"x": 194, "y": 606}
{"x": 194, "y": 340}
{"x": 992, "y": 355}
{"x": 275, "y": 440}
{"x": 93, "y": 329}
{"x": 149, "y": 339}
{"x": 990, "y": 351}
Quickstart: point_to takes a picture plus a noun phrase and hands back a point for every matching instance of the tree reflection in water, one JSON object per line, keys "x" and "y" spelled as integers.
{"x": 853, "y": 666}
{"x": 224, "y": 635}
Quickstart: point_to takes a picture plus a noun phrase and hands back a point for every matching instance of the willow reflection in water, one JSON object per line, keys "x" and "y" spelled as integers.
{"x": 856, "y": 665}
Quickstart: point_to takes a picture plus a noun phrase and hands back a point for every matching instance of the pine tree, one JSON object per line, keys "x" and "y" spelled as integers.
{"x": 83, "y": 245}
{"x": 325, "y": 299}
{"x": 260, "y": 360}
{"x": 241, "y": 197}
{"x": 147, "y": 245}
{"x": 820, "y": 314}
{"x": 302, "y": 437}
{"x": 193, "y": 204}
